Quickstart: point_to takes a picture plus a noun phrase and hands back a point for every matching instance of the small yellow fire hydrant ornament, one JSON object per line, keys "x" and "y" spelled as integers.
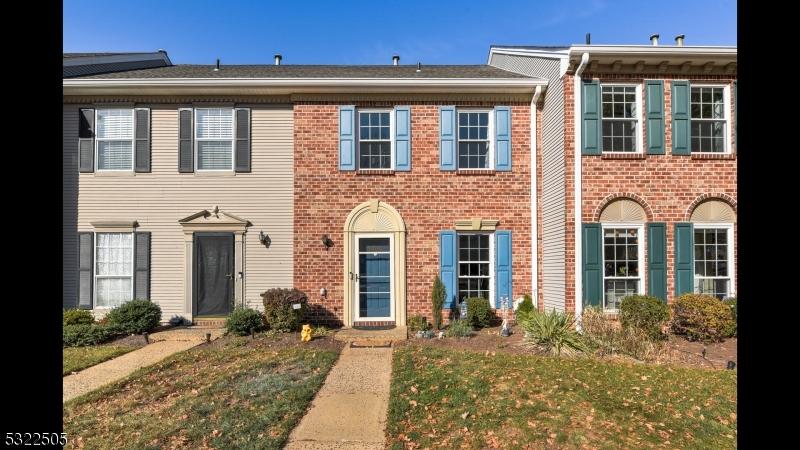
{"x": 305, "y": 334}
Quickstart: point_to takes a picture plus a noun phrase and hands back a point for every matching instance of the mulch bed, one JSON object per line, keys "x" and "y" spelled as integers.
{"x": 679, "y": 351}
{"x": 281, "y": 340}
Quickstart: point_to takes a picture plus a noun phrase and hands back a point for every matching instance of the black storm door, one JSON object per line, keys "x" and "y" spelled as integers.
{"x": 214, "y": 274}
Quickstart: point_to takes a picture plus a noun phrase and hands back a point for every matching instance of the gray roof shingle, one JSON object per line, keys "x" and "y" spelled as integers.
{"x": 314, "y": 71}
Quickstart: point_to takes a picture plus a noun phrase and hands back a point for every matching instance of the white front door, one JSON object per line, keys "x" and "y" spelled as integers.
{"x": 373, "y": 280}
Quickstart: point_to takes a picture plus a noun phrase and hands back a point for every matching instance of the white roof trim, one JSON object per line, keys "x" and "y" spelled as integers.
{"x": 539, "y": 53}
{"x": 653, "y": 50}
{"x": 292, "y": 85}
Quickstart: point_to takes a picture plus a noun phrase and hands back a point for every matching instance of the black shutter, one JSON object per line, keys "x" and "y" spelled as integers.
{"x": 86, "y": 140}
{"x": 85, "y": 272}
{"x": 142, "y": 155}
{"x": 186, "y": 147}
{"x": 242, "y": 140}
{"x": 141, "y": 263}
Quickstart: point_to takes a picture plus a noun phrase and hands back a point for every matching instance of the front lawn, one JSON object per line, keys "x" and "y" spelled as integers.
{"x": 79, "y": 358}
{"x": 233, "y": 393}
{"x": 442, "y": 398}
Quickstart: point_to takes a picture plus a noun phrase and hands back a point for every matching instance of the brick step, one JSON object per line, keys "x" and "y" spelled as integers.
{"x": 209, "y": 323}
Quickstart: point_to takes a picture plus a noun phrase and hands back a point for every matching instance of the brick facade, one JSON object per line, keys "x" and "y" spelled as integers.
{"x": 428, "y": 200}
{"x": 668, "y": 187}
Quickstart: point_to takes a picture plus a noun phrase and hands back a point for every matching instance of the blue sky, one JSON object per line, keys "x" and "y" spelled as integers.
{"x": 370, "y": 32}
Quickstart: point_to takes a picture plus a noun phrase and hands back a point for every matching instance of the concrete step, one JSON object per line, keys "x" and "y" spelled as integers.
{"x": 209, "y": 323}
{"x": 372, "y": 336}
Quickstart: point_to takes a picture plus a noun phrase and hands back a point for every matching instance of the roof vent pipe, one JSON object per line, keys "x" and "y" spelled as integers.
{"x": 217, "y": 67}
{"x": 395, "y": 60}
{"x": 419, "y": 67}
{"x": 278, "y": 58}
{"x": 588, "y": 38}
{"x": 679, "y": 40}
{"x": 654, "y": 39}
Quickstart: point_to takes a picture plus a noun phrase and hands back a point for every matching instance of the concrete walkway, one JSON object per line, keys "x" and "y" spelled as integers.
{"x": 162, "y": 345}
{"x": 349, "y": 412}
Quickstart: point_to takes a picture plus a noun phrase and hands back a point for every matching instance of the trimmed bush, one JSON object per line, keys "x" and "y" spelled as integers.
{"x": 553, "y": 332}
{"x": 437, "y": 299}
{"x": 524, "y": 309}
{"x": 242, "y": 320}
{"x": 479, "y": 312}
{"x": 701, "y": 317}
{"x": 81, "y": 335}
{"x": 648, "y": 314}
{"x": 459, "y": 328}
{"x": 279, "y": 313}
{"x": 77, "y": 317}
{"x": 731, "y": 302}
{"x": 418, "y": 323}
{"x": 135, "y": 317}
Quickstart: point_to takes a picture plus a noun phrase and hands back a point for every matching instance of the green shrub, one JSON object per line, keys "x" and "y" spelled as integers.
{"x": 606, "y": 337}
{"x": 553, "y": 332}
{"x": 279, "y": 312}
{"x": 524, "y": 309}
{"x": 701, "y": 317}
{"x": 731, "y": 302}
{"x": 459, "y": 328}
{"x": 135, "y": 317}
{"x": 77, "y": 317}
{"x": 479, "y": 312}
{"x": 648, "y": 314}
{"x": 242, "y": 320}
{"x": 418, "y": 323}
{"x": 81, "y": 335}
{"x": 437, "y": 299}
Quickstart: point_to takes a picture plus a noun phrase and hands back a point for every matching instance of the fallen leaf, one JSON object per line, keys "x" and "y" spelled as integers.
{"x": 464, "y": 416}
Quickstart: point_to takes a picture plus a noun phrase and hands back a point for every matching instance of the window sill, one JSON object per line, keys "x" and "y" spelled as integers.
{"x": 114, "y": 174}
{"x": 632, "y": 155}
{"x": 475, "y": 172}
{"x": 713, "y": 156}
{"x": 375, "y": 172}
{"x": 215, "y": 174}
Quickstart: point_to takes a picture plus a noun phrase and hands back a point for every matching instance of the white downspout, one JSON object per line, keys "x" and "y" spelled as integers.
{"x": 534, "y": 204}
{"x": 576, "y": 94}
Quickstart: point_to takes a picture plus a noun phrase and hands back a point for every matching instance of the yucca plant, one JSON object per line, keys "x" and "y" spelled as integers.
{"x": 553, "y": 332}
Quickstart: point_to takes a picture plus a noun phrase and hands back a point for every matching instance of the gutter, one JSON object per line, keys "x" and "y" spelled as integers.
{"x": 293, "y": 85}
{"x": 534, "y": 204}
{"x": 576, "y": 94}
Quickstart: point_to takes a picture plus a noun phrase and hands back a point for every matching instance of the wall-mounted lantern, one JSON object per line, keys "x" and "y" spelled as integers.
{"x": 264, "y": 239}
{"x": 326, "y": 241}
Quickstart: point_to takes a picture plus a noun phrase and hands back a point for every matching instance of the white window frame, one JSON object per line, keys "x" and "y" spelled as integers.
{"x": 94, "y": 269}
{"x": 642, "y": 267}
{"x": 196, "y": 140}
{"x": 391, "y": 136}
{"x": 731, "y": 261}
{"x": 639, "y": 136}
{"x": 392, "y": 278}
{"x": 489, "y": 132}
{"x": 728, "y": 133}
{"x": 97, "y": 141}
{"x": 492, "y": 265}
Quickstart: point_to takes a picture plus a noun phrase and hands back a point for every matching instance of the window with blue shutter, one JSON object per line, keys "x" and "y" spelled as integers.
{"x": 654, "y": 100}
{"x": 503, "y": 271}
{"x": 591, "y": 144}
{"x": 402, "y": 138}
{"x": 592, "y": 256}
{"x": 347, "y": 144}
{"x": 447, "y": 265}
{"x": 502, "y": 138}
{"x": 447, "y": 138}
{"x": 657, "y": 260}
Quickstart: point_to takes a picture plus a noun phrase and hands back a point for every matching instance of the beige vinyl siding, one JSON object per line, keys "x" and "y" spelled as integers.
{"x": 553, "y": 184}
{"x": 159, "y": 199}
